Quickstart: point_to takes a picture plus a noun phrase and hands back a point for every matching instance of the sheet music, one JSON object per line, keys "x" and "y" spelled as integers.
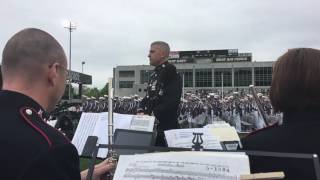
{"x": 226, "y": 133}
{"x": 101, "y": 130}
{"x": 96, "y": 124}
{"x": 85, "y": 128}
{"x": 122, "y": 121}
{"x": 142, "y": 123}
{"x": 217, "y": 124}
{"x": 175, "y": 166}
{"x": 183, "y": 138}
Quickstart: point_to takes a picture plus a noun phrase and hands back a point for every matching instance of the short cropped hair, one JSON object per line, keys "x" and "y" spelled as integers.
{"x": 28, "y": 50}
{"x": 296, "y": 81}
{"x": 165, "y": 46}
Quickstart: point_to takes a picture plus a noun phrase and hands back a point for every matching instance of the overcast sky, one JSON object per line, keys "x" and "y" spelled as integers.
{"x": 118, "y": 32}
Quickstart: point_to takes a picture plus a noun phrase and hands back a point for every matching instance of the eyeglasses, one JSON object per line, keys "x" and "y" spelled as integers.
{"x": 62, "y": 67}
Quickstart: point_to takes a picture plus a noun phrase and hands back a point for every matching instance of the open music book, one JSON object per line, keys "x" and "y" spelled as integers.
{"x": 183, "y": 138}
{"x": 183, "y": 166}
{"x": 213, "y": 137}
{"x": 96, "y": 124}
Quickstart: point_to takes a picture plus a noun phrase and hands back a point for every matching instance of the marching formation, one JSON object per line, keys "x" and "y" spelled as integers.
{"x": 200, "y": 109}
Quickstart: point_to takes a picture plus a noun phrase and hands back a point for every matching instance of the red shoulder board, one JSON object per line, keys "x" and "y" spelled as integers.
{"x": 28, "y": 114}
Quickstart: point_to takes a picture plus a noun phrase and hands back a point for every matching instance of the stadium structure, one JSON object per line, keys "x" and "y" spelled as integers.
{"x": 211, "y": 70}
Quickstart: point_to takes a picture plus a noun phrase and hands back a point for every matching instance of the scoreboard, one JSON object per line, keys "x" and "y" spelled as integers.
{"x": 225, "y": 55}
{"x": 79, "y": 78}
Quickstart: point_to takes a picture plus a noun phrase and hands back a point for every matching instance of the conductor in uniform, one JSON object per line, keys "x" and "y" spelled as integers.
{"x": 163, "y": 91}
{"x": 34, "y": 75}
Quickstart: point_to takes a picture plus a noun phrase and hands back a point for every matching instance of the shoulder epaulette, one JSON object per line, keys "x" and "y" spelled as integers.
{"x": 28, "y": 114}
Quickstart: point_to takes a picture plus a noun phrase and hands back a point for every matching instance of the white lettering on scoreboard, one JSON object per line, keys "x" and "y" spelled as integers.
{"x": 174, "y": 55}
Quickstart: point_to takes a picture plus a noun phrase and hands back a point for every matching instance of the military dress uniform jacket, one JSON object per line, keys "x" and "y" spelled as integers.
{"x": 163, "y": 96}
{"x": 299, "y": 133}
{"x": 30, "y": 148}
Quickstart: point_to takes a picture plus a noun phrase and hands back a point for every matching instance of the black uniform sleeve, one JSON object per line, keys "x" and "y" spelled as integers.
{"x": 61, "y": 162}
{"x": 143, "y": 104}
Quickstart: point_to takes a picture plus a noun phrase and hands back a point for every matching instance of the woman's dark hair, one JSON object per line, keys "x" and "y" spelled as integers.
{"x": 296, "y": 81}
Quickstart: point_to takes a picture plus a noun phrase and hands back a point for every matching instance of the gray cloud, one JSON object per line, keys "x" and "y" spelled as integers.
{"x": 118, "y": 32}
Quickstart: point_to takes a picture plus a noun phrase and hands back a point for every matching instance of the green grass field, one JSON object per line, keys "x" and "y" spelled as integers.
{"x": 84, "y": 163}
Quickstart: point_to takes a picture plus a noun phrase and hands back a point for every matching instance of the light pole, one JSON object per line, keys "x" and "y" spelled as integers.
{"x": 183, "y": 84}
{"x": 82, "y": 63}
{"x": 222, "y": 85}
{"x": 70, "y": 26}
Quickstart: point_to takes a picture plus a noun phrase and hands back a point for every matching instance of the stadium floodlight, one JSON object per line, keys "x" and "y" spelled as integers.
{"x": 70, "y": 26}
{"x": 82, "y": 63}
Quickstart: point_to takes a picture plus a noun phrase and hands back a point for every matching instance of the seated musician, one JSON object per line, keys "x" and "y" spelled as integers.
{"x": 295, "y": 91}
{"x": 34, "y": 71}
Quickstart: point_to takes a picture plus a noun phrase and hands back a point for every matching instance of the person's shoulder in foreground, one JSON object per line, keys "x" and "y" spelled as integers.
{"x": 296, "y": 95}
{"x": 34, "y": 74}
{"x": 31, "y": 148}
{"x": 294, "y": 92}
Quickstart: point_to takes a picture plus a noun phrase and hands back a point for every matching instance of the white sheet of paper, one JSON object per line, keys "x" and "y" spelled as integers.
{"x": 122, "y": 121}
{"x": 85, "y": 128}
{"x": 102, "y": 132}
{"x": 183, "y": 138}
{"x": 142, "y": 123}
{"x": 96, "y": 124}
{"x": 226, "y": 133}
{"x": 172, "y": 166}
{"x": 217, "y": 124}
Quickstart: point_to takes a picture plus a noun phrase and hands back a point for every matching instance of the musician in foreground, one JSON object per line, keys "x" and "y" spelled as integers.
{"x": 295, "y": 91}
{"x": 34, "y": 71}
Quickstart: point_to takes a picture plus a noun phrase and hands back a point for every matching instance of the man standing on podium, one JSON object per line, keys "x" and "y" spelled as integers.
{"x": 163, "y": 92}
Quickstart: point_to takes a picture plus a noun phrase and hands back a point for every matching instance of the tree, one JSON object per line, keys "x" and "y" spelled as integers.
{"x": 66, "y": 92}
{"x": 95, "y": 92}
{"x": 104, "y": 90}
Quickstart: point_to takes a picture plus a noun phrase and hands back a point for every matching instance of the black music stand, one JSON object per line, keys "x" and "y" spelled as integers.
{"x": 294, "y": 165}
{"x": 133, "y": 138}
{"x": 121, "y": 137}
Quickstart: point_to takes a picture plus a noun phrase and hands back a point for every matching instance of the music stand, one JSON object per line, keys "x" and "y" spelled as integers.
{"x": 294, "y": 165}
{"x": 133, "y": 138}
{"x": 125, "y": 137}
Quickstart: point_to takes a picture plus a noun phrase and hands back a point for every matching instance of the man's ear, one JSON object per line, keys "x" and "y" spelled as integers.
{"x": 53, "y": 74}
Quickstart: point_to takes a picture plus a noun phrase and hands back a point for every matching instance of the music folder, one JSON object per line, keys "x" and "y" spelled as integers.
{"x": 134, "y": 138}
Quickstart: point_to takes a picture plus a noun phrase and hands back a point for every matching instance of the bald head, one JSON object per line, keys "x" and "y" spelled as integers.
{"x": 34, "y": 64}
{"x": 28, "y": 51}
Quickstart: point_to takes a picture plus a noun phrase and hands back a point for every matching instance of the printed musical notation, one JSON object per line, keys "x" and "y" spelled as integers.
{"x": 96, "y": 124}
{"x": 142, "y": 123}
{"x": 175, "y": 166}
{"x": 172, "y": 172}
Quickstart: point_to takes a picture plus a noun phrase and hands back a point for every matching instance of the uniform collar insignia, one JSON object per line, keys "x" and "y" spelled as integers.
{"x": 43, "y": 114}
{"x": 161, "y": 66}
{"x": 40, "y": 112}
